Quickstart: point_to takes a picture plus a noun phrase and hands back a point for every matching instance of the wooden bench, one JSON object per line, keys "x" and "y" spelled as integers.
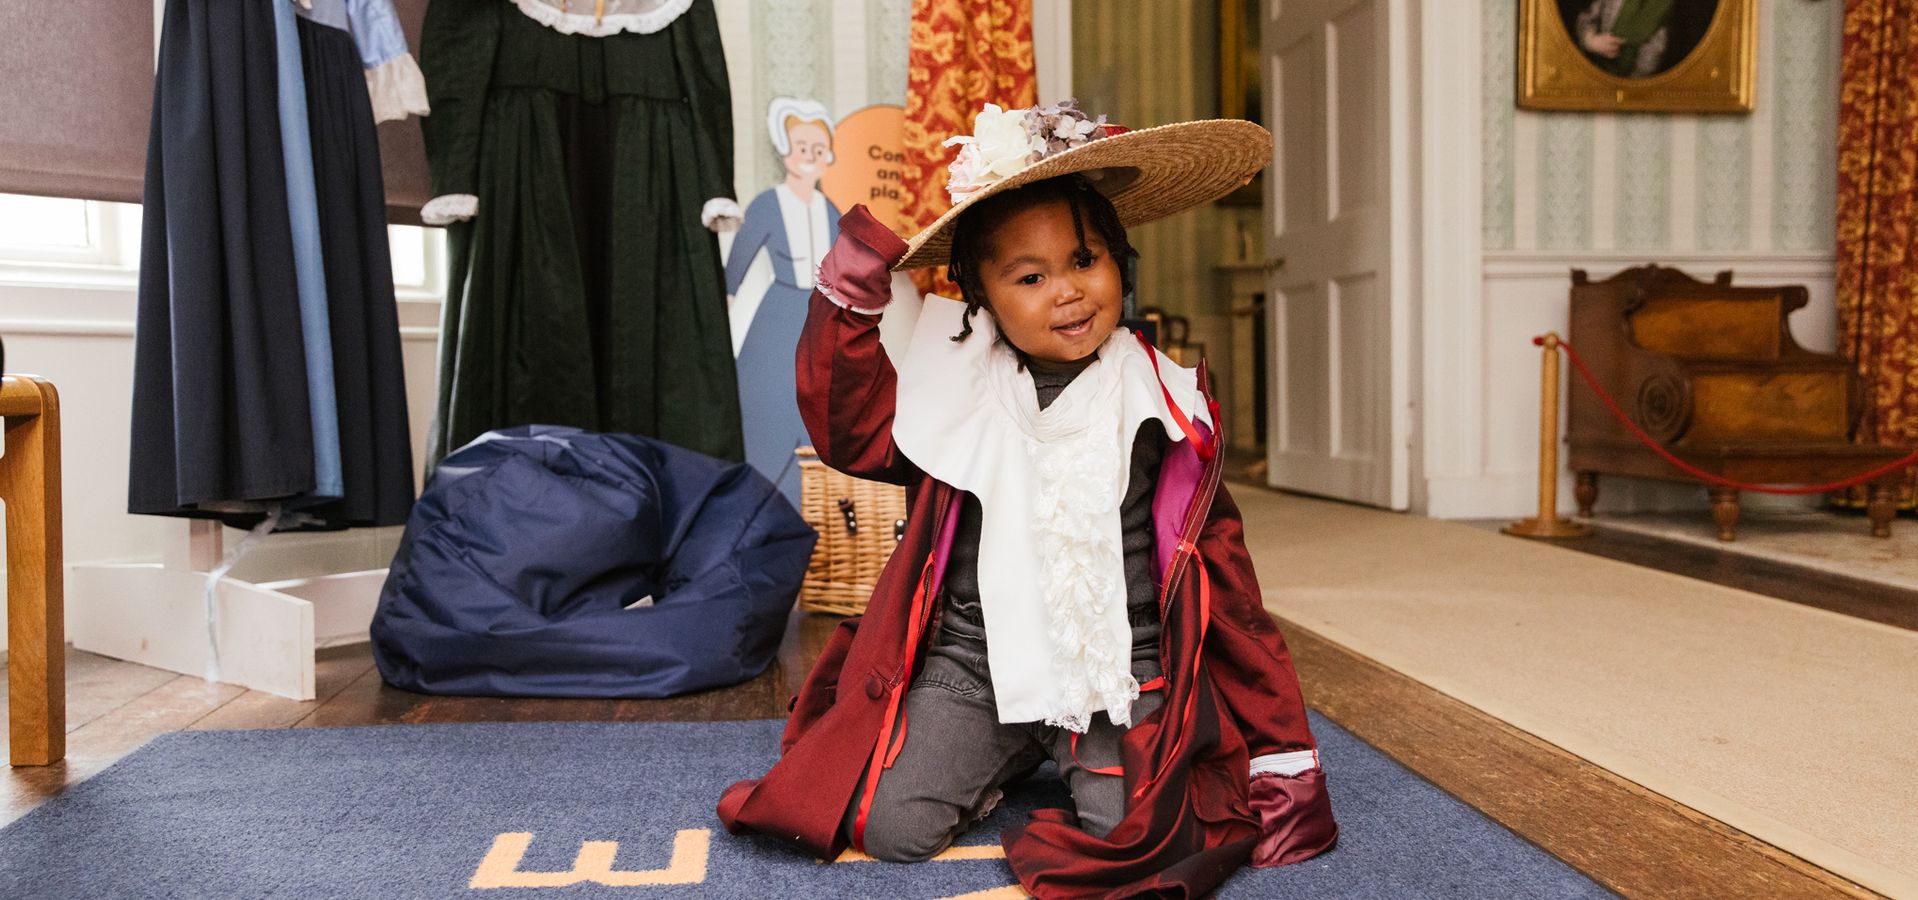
{"x": 1712, "y": 372}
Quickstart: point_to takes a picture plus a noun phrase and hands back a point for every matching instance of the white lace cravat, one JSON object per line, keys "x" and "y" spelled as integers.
{"x": 1051, "y": 567}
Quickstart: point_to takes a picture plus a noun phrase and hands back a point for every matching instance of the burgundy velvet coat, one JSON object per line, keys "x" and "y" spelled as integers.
{"x": 1193, "y": 816}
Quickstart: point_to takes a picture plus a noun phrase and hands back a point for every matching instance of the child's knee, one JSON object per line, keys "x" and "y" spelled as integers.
{"x": 907, "y": 832}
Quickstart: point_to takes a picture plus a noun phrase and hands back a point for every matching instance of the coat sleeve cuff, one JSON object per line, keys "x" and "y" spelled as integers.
{"x": 825, "y": 290}
{"x": 1295, "y": 817}
{"x": 722, "y": 214}
{"x": 857, "y": 272}
{"x": 397, "y": 88}
{"x": 449, "y": 208}
{"x": 1292, "y": 763}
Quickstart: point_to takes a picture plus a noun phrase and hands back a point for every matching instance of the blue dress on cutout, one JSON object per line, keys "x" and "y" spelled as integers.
{"x": 768, "y": 397}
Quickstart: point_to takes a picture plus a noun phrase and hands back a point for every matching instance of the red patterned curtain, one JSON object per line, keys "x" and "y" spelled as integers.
{"x": 1878, "y": 216}
{"x": 965, "y": 54}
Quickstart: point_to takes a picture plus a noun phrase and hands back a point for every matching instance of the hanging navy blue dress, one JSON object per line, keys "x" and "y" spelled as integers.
{"x": 227, "y": 414}
{"x": 221, "y": 424}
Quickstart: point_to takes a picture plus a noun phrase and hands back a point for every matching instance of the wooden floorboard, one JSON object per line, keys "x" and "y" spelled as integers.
{"x": 172, "y": 706}
{"x": 333, "y": 669}
{"x": 97, "y": 685}
{"x": 364, "y": 701}
{"x": 1857, "y": 597}
{"x": 1631, "y": 840}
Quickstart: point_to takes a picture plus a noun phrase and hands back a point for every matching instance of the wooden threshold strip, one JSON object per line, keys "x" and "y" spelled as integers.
{"x": 1627, "y": 838}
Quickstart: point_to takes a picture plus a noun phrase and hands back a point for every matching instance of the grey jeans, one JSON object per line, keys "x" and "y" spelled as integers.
{"x": 957, "y": 757}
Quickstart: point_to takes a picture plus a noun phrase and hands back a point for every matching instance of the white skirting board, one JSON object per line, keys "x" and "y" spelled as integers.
{"x": 154, "y": 614}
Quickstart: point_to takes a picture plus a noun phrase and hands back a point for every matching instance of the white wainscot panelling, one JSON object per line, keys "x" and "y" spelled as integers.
{"x": 1525, "y": 295}
{"x": 80, "y": 335}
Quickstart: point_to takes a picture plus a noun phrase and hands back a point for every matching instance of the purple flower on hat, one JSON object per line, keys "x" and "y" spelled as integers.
{"x": 1063, "y": 126}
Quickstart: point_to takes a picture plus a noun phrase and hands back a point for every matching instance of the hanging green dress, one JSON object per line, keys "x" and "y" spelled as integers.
{"x": 572, "y": 169}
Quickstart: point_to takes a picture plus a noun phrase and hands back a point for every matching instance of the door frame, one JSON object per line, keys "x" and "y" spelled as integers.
{"x": 1448, "y": 443}
{"x": 1435, "y": 136}
{"x": 1400, "y": 276}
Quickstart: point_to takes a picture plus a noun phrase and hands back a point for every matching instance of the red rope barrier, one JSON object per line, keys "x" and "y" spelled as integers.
{"x": 1696, "y": 472}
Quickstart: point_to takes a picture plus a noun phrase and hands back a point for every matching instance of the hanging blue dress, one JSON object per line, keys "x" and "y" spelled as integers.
{"x": 309, "y": 274}
{"x": 354, "y": 62}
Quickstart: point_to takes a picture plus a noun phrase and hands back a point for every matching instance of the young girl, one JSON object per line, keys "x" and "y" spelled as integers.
{"x": 1072, "y": 584}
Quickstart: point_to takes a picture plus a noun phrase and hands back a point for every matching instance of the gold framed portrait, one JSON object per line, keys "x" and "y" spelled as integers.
{"x": 1637, "y": 55}
{"x": 1241, "y": 94}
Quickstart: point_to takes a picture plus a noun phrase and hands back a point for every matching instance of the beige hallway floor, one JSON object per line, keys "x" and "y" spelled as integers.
{"x": 1794, "y": 724}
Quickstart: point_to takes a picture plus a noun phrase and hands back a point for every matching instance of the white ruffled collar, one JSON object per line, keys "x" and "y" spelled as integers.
{"x": 1049, "y": 483}
{"x": 595, "y": 18}
{"x": 1017, "y": 391}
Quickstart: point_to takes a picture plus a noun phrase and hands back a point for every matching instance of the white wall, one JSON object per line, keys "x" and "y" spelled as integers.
{"x": 80, "y": 336}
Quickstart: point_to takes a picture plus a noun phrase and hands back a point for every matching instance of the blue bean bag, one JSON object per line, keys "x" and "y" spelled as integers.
{"x": 553, "y": 562}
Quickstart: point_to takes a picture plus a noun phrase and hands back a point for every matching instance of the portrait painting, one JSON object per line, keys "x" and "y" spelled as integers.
{"x": 1649, "y": 55}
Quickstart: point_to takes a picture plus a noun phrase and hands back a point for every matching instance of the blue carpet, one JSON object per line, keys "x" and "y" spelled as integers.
{"x": 413, "y": 811}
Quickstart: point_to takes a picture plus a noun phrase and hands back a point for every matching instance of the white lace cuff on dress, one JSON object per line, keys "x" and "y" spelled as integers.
{"x": 397, "y": 88}
{"x": 449, "y": 208}
{"x": 722, "y": 214}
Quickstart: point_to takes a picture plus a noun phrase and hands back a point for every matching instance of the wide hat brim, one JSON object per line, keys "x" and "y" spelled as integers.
{"x": 1148, "y": 175}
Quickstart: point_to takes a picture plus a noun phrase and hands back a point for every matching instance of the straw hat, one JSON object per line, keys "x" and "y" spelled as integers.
{"x": 1148, "y": 175}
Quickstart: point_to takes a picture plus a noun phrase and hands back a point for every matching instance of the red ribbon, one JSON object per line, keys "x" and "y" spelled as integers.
{"x": 1178, "y": 415}
{"x": 1625, "y": 419}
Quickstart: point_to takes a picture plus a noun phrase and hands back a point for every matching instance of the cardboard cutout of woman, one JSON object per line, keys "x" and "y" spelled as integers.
{"x": 793, "y": 224}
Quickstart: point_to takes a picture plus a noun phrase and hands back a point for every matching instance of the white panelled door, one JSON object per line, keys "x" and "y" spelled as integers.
{"x": 1338, "y": 292}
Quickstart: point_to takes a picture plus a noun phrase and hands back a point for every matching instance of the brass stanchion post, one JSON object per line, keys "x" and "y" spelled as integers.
{"x": 1548, "y": 524}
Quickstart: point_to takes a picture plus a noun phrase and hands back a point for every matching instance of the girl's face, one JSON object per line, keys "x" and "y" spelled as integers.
{"x": 1047, "y": 300}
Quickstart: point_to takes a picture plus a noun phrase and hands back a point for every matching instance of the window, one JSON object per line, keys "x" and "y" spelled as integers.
{"x": 42, "y": 223}
{"x": 71, "y": 232}
{"x": 418, "y": 273}
{"x": 55, "y": 240}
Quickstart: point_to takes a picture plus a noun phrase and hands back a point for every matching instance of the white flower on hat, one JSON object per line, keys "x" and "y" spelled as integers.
{"x": 1005, "y": 141}
{"x": 1000, "y": 145}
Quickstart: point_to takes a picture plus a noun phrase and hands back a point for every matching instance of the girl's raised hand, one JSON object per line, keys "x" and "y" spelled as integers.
{"x": 857, "y": 271}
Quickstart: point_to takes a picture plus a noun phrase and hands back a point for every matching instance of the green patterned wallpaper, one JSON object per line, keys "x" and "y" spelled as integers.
{"x": 1754, "y": 183}
{"x": 846, "y": 54}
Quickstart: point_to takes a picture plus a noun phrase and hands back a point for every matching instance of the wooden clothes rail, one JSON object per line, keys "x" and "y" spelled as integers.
{"x": 36, "y": 620}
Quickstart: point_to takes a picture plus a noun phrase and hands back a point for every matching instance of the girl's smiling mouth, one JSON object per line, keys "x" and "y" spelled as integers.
{"x": 1075, "y": 329}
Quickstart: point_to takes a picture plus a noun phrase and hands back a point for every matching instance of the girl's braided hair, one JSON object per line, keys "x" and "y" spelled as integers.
{"x": 972, "y": 233}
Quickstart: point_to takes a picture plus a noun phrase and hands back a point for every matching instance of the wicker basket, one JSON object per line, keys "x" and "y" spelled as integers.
{"x": 858, "y": 523}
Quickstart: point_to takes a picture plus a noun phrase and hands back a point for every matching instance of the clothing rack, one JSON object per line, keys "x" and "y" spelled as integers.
{"x": 264, "y": 636}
